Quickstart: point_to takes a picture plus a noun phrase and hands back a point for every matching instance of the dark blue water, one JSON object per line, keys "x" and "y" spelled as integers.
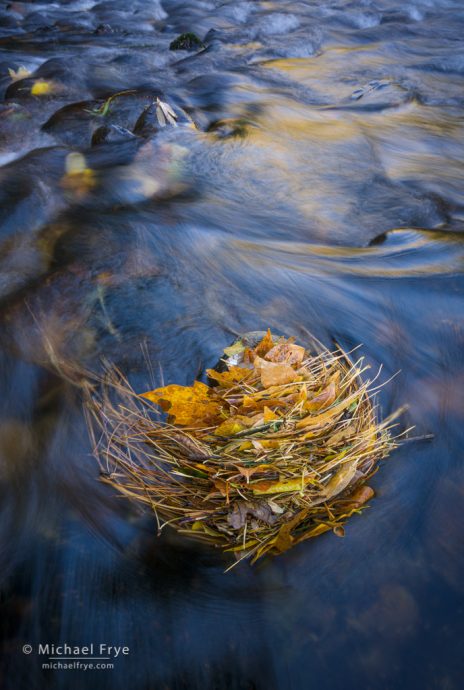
{"x": 319, "y": 190}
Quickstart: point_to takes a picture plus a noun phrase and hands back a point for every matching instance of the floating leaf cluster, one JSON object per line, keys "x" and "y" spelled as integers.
{"x": 276, "y": 450}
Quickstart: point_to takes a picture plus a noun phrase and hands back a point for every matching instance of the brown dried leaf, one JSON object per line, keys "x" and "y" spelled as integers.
{"x": 284, "y": 540}
{"x": 265, "y": 345}
{"x": 361, "y": 496}
{"x": 257, "y": 509}
{"x": 274, "y": 374}
{"x": 341, "y": 480}
{"x": 323, "y": 399}
{"x": 286, "y": 353}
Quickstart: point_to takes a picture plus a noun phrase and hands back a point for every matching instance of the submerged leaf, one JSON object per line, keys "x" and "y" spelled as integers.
{"x": 42, "y": 88}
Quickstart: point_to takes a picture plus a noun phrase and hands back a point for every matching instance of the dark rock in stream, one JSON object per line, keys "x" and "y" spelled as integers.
{"x": 75, "y": 124}
{"x": 188, "y": 41}
{"x": 112, "y": 134}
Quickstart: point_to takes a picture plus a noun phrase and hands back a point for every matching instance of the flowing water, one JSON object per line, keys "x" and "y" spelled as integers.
{"x": 321, "y": 190}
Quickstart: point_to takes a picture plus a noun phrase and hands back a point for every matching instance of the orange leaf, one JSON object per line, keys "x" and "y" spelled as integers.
{"x": 361, "y": 496}
{"x": 265, "y": 345}
{"x": 186, "y": 405}
{"x": 273, "y": 374}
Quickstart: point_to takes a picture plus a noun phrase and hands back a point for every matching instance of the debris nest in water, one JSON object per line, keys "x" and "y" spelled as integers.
{"x": 278, "y": 449}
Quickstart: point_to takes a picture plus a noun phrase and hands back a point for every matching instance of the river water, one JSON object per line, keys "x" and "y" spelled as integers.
{"x": 319, "y": 189}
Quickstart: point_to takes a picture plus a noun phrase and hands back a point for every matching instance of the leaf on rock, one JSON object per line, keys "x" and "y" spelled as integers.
{"x": 248, "y": 472}
{"x": 20, "y": 73}
{"x": 234, "y": 350}
{"x": 342, "y": 435}
{"x": 186, "y": 405}
{"x": 42, "y": 88}
{"x": 317, "y": 420}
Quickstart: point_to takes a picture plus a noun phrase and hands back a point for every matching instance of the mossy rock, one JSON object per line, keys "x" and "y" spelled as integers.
{"x": 187, "y": 41}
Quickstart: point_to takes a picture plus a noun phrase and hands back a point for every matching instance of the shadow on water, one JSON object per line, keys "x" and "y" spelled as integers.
{"x": 319, "y": 189}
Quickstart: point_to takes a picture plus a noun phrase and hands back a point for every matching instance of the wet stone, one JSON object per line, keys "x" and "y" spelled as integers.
{"x": 150, "y": 121}
{"x": 110, "y": 135}
{"x": 75, "y": 124}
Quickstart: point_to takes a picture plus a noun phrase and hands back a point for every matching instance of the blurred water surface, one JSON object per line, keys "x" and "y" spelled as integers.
{"x": 321, "y": 189}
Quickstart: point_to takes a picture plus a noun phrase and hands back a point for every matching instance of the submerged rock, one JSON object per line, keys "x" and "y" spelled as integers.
{"x": 111, "y": 134}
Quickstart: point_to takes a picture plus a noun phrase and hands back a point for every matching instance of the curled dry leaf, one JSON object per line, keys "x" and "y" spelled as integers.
{"x": 257, "y": 509}
{"x": 341, "y": 480}
{"x": 287, "y": 353}
{"x": 323, "y": 399}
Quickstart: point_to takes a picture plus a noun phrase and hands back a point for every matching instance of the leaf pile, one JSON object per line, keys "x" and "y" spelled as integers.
{"x": 275, "y": 451}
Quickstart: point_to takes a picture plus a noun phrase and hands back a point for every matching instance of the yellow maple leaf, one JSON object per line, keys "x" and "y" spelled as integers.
{"x": 227, "y": 378}
{"x": 186, "y": 405}
{"x": 42, "y": 88}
